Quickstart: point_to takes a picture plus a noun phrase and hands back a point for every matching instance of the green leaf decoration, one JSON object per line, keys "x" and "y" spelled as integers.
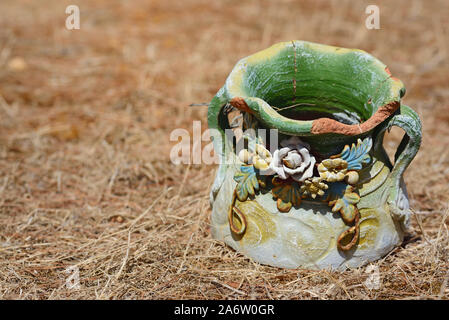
{"x": 343, "y": 199}
{"x": 247, "y": 183}
{"x": 357, "y": 155}
{"x": 287, "y": 193}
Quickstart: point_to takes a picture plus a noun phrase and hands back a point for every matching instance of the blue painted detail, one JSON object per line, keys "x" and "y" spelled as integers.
{"x": 336, "y": 190}
{"x": 247, "y": 183}
{"x": 357, "y": 155}
{"x": 343, "y": 199}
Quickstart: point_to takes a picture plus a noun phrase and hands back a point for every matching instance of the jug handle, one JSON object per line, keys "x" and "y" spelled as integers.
{"x": 408, "y": 120}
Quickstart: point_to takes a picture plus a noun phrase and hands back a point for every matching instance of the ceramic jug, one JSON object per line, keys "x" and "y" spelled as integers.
{"x": 320, "y": 192}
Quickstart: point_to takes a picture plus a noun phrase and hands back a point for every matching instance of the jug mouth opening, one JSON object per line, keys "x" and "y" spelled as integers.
{"x": 304, "y": 88}
{"x": 318, "y": 122}
{"x": 314, "y": 112}
{"x": 328, "y": 125}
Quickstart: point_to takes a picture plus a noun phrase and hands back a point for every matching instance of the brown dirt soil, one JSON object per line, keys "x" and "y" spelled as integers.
{"x": 85, "y": 121}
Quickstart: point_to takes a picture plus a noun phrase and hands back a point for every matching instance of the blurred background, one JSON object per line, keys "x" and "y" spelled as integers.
{"x": 86, "y": 180}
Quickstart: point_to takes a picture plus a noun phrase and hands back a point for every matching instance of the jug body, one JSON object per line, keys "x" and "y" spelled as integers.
{"x": 318, "y": 190}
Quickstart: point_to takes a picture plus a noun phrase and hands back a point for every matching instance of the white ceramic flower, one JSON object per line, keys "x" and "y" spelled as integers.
{"x": 293, "y": 160}
{"x": 260, "y": 159}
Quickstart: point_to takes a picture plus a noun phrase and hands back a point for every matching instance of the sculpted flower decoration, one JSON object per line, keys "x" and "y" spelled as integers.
{"x": 293, "y": 160}
{"x": 333, "y": 170}
{"x": 313, "y": 187}
{"x": 344, "y": 165}
{"x": 260, "y": 159}
{"x": 292, "y": 179}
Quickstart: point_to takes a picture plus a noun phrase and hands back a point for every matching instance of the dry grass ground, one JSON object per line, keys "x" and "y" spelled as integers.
{"x": 85, "y": 119}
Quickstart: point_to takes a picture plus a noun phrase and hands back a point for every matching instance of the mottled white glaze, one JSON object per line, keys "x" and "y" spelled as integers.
{"x": 306, "y": 236}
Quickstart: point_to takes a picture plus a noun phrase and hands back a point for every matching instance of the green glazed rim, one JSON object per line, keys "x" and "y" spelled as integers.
{"x": 355, "y": 89}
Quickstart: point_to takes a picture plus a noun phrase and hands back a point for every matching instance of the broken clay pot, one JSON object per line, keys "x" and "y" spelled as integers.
{"x": 319, "y": 192}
